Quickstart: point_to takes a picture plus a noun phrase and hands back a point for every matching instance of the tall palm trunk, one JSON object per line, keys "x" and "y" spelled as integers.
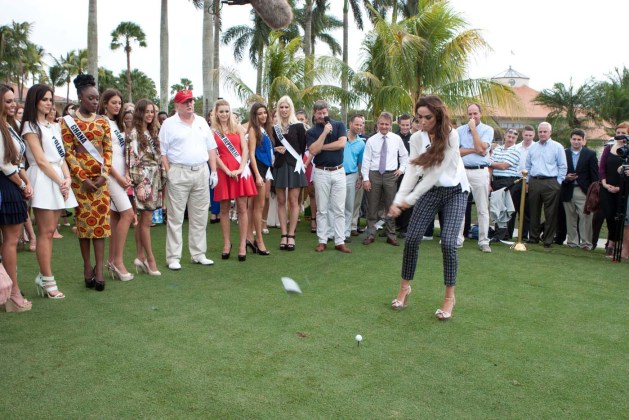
{"x": 92, "y": 40}
{"x": 163, "y": 58}
{"x": 308, "y": 42}
{"x": 217, "y": 46}
{"x": 344, "y": 75}
{"x": 208, "y": 55}
{"x": 128, "y": 51}
{"x": 259, "y": 70}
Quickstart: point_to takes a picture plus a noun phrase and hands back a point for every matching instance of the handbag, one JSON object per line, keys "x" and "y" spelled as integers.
{"x": 593, "y": 198}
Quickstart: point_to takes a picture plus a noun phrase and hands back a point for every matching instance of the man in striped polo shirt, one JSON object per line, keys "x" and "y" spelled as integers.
{"x": 503, "y": 168}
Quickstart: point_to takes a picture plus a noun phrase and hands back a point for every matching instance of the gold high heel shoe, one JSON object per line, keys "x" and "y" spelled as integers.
{"x": 46, "y": 286}
{"x": 139, "y": 266}
{"x": 396, "y": 304}
{"x": 116, "y": 273}
{"x": 11, "y": 306}
{"x": 148, "y": 269}
{"x": 443, "y": 315}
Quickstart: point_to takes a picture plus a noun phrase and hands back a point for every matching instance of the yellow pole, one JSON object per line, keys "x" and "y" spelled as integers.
{"x": 520, "y": 246}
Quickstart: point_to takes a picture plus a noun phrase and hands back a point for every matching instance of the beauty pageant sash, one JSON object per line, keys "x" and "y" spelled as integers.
{"x": 246, "y": 173}
{"x": 80, "y": 136}
{"x": 299, "y": 166}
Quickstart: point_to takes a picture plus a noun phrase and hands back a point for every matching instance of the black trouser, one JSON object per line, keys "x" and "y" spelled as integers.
{"x": 499, "y": 182}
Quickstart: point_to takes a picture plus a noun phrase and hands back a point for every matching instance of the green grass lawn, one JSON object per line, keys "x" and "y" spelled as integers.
{"x": 536, "y": 334}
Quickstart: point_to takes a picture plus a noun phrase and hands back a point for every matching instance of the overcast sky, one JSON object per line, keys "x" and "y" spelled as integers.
{"x": 547, "y": 40}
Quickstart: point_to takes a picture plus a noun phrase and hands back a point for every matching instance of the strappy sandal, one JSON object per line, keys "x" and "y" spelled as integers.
{"x": 290, "y": 247}
{"x": 443, "y": 315}
{"x": 397, "y": 304}
{"x": 283, "y": 246}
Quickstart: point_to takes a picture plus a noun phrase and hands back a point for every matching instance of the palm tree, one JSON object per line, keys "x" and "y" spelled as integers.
{"x": 217, "y": 61}
{"x": 611, "y": 97}
{"x": 163, "y": 56}
{"x": 254, "y": 38}
{"x": 207, "y": 46}
{"x": 571, "y": 107}
{"x": 73, "y": 63}
{"x": 183, "y": 84}
{"x": 124, "y": 33}
{"x": 92, "y": 40}
{"x": 424, "y": 54}
{"x": 56, "y": 76}
{"x": 286, "y": 73}
{"x": 14, "y": 44}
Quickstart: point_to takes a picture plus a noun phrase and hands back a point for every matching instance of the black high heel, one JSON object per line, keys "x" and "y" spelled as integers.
{"x": 290, "y": 247}
{"x": 283, "y": 246}
{"x": 91, "y": 282}
{"x": 253, "y": 246}
{"x": 261, "y": 251}
{"x": 99, "y": 286}
{"x": 225, "y": 255}
{"x": 242, "y": 258}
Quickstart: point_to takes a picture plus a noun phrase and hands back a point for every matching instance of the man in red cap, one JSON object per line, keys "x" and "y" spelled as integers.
{"x": 188, "y": 147}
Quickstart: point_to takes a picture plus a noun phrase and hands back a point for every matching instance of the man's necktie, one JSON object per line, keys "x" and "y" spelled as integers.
{"x": 382, "y": 167}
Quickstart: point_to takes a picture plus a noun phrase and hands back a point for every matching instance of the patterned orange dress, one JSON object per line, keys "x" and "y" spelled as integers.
{"x": 92, "y": 214}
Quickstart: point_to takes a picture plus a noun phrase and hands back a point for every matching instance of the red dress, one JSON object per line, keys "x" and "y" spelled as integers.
{"x": 229, "y": 188}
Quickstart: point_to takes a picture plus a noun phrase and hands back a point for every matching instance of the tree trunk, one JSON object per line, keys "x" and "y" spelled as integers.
{"x": 413, "y": 8}
{"x": 217, "y": 61}
{"x": 207, "y": 46}
{"x": 308, "y": 43}
{"x": 344, "y": 75}
{"x": 163, "y": 58}
{"x": 259, "y": 70}
{"x": 92, "y": 40}
{"x": 128, "y": 51}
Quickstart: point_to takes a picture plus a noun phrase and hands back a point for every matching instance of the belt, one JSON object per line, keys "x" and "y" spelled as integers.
{"x": 349, "y": 173}
{"x": 190, "y": 167}
{"x": 476, "y": 167}
{"x": 329, "y": 168}
{"x": 505, "y": 177}
{"x": 543, "y": 177}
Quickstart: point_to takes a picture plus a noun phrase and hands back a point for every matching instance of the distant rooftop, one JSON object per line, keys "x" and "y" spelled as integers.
{"x": 511, "y": 78}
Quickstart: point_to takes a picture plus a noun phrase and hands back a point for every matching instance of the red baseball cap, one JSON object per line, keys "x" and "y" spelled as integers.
{"x": 183, "y": 96}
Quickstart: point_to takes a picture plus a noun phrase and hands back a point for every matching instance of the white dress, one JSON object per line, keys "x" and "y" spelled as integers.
{"x": 46, "y": 193}
{"x": 119, "y": 198}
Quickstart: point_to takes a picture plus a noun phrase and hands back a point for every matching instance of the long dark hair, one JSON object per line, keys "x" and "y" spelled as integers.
{"x": 138, "y": 123}
{"x": 10, "y": 152}
{"x": 255, "y": 126}
{"x": 102, "y": 106}
{"x": 33, "y": 96}
{"x": 437, "y": 151}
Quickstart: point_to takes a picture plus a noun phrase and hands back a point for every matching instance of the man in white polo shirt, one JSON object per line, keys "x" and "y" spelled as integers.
{"x": 187, "y": 147}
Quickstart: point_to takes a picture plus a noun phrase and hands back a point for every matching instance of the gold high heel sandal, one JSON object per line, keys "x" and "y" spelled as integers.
{"x": 46, "y": 286}
{"x": 443, "y": 315}
{"x": 116, "y": 273}
{"x": 396, "y": 304}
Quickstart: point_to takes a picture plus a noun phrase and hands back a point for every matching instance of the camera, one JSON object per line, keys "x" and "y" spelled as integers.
{"x": 623, "y": 151}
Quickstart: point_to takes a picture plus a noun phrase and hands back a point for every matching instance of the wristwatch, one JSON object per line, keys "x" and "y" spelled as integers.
{"x": 23, "y": 186}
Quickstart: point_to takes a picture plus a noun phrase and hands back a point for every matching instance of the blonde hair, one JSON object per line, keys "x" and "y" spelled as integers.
{"x": 292, "y": 118}
{"x": 232, "y": 124}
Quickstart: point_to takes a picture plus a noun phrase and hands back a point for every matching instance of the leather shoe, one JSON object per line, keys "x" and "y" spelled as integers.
{"x": 532, "y": 241}
{"x": 392, "y": 241}
{"x": 174, "y": 265}
{"x": 321, "y": 247}
{"x": 202, "y": 260}
{"x": 368, "y": 240}
{"x": 547, "y": 245}
{"x": 343, "y": 249}
{"x": 354, "y": 233}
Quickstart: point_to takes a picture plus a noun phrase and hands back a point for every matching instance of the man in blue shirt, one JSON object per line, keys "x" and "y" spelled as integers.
{"x": 326, "y": 142}
{"x": 475, "y": 143}
{"x": 547, "y": 167}
{"x": 352, "y": 160}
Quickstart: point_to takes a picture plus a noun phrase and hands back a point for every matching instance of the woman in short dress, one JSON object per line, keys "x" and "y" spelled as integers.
{"x": 287, "y": 175}
{"x": 50, "y": 177}
{"x": 90, "y": 163}
{"x": 235, "y": 180}
{"x": 15, "y": 188}
{"x": 121, "y": 215}
{"x": 261, "y": 162}
{"x": 145, "y": 169}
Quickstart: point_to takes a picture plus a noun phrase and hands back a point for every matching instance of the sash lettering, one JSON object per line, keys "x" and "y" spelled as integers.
{"x": 80, "y": 136}
{"x": 246, "y": 173}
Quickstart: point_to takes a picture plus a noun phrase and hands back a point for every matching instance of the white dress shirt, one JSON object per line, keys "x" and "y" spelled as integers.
{"x": 450, "y": 173}
{"x": 395, "y": 150}
{"x": 186, "y": 144}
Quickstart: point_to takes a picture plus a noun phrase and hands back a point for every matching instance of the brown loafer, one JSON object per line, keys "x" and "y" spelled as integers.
{"x": 343, "y": 249}
{"x": 321, "y": 247}
{"x": 354, "y": 233}
{"x": 392, "y": 241}
{"x": 368, "y": 240}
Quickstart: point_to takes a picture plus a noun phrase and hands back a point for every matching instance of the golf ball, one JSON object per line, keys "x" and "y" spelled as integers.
{"x": 359, "y": 338}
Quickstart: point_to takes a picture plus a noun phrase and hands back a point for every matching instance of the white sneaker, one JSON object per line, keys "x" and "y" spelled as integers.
{"x": 428, "y": 238}
{"x": 174, "y": 265}
{"x": 202, "y": 260}
{"x": 485, "y": 248}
